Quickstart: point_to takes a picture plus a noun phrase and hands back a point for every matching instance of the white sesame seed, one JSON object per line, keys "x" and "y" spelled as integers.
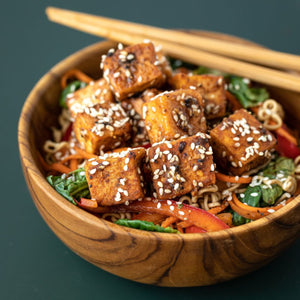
{"x": 93, "y": 171}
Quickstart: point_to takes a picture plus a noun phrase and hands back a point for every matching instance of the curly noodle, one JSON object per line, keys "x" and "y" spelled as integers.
{"x": 271, "y": 111}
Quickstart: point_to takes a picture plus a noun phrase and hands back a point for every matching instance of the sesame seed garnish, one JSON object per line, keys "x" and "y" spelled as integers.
{"x": 125, "y": 168}
{"x": 171, "y": 207}
{"x": 93, "y": 171}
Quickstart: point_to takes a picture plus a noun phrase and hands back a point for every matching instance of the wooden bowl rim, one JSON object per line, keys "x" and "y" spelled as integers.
{"x": 30, "y": 164}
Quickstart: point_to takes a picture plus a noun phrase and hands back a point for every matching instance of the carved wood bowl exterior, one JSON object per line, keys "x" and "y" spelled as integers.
{"x": 173, "y": 260}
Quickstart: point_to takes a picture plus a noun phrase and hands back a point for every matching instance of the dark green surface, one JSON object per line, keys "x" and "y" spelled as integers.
{"x": 34, "y": 263}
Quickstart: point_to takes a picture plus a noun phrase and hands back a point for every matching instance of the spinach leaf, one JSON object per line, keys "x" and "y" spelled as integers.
{"x": 281, "y": 165}
{"x": 247, "y": 96}
{"x": 144, "y": 225}
{"x": 70, "y": 88}
{"x": 73, "y": 185}
{"x": 269, "y": 196}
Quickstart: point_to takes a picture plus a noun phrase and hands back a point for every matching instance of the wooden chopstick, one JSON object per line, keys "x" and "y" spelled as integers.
{"x": 93, "y": 25}
{"x": 244, "y": 52}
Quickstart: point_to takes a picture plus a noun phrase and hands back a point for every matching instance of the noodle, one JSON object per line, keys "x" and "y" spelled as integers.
{"x": 271, "y": 111}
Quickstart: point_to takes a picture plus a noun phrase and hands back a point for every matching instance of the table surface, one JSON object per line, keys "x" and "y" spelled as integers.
{"x": 35, "y": 264}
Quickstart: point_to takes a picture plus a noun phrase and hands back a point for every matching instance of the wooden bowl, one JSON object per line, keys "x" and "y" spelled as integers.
{"x": 153, "y": 258}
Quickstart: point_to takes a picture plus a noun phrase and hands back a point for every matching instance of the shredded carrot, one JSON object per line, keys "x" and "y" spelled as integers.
{"x": 71, "y": 157}
{"x": 218, "y": 209}
{"x": 250, "y": 212}
{"x": 59, "y": 167}
{"x": 73, "y": 164}
{"x": 234, "y": 102}
{"x": 184, "y": 224}
{"x": 233, "y": 179}
{"x": 74, "y": 73}
{"x": 85, "y": 154}
{"x": 168, "y": 221}
{"x": 226, "y": 218}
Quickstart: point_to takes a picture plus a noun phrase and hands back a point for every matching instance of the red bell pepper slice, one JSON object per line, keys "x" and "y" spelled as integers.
{"x": 287, "y": 148}
{"x": 194, "y": 229}
{"x": 67, "y": 134}
{"x": 196, "y": 216}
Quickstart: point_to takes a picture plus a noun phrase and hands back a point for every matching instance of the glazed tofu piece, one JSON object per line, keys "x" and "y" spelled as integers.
{"x": 116, "y": 178}
{"x": 102, "y": 127}
{"x": 241, "y": 143}
{"x": 211, "y": 88}
{"x": 170, "y": 115}
{"x": 132, "y": 70}
{"x": 97, "y": 92}
{"x": 134, "y": 107}
{"x": 182, "y": 166}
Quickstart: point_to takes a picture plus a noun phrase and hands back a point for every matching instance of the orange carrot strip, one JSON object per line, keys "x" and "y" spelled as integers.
{"x": 92, "y": 206}
{"x": 234, "y": 102}
{"x": 73, "y": 164}
{"x": 168, "y": 221}
{"x": 85, "y": 154}
{"x": 226, "y": 218}
{"x": 184, "y": 224}
{"x": 218, "y": 209}
{"x": 250, "y": 212}
{"x": 74, "y": 73}
{"x": 71, "y": 157}
{"x": 59, "y": 167}
{"x": 232, "y": 179}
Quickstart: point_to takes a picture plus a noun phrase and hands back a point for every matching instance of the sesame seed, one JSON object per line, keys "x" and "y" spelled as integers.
{"x": 254, "y": 194}
{"x": 169, "y": 202}
{"x": 158, "y": 205}
{"x": 171, "y": 207}
{"x": 125, "y": 168}
{"x": 271, "y": 210}
{"x": 127, "y": 160}
{"x": 93, "y": 171}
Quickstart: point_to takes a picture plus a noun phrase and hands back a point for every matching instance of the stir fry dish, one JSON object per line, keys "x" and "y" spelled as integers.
{"x": 160, "y": 145}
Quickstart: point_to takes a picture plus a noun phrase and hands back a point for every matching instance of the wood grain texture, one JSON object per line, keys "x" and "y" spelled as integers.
{"x": 152, "y": 258}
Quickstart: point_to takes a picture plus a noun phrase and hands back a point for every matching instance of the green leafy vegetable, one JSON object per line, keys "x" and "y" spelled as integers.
{"x": 281, "y": 165}
{"x": 144, "y": 225}
{"x": 73, "y": 185}
{"x": 247, "y": 96}
{"x": 263, "y": 195}
{"x": 177, "y": 63}
{"x": 205, "y": 70}
{"x": 269, "y": 196}
{"x": 70, "y": 88}
{"x": 251, "y": 197}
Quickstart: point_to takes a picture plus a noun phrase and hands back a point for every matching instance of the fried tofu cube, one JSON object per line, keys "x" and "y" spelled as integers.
{"x": 116, "y": 178}
{"x": 102, "y": 127}
{"x": 170, "y": 115}
{"x": 182, "y": 166}
{"x": 97, "y": 92}
{"x": 132, "y": 70}
{"x": 211, "y": 87}
{"x": 241, "y": 143}
{"x": 134, "y": 107}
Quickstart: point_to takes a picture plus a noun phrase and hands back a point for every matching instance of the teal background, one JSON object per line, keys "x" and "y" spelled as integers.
{"x": 34, "y": 263}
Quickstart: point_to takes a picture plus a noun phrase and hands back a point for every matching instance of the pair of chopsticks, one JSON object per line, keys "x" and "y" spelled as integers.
{"x": 189, "y": 47}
